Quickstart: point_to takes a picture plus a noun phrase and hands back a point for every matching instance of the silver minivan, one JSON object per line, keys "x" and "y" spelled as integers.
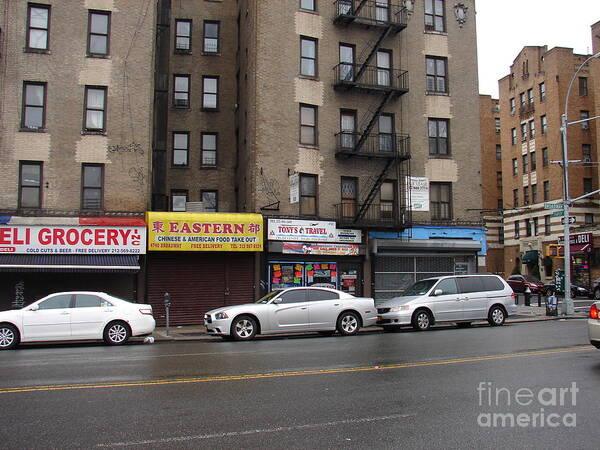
{"x": 456, "y": 298}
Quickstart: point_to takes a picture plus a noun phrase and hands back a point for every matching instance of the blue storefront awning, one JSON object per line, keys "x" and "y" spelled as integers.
{"x": 69, "y": 263}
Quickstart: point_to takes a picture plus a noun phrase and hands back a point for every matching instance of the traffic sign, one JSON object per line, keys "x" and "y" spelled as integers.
{"x": 571, "y": 220}
{"x": 557, "y": 213}
{"x": 554, "y": 206}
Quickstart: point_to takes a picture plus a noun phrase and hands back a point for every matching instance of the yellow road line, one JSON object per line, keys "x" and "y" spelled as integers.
{"x": 258, "y": 376}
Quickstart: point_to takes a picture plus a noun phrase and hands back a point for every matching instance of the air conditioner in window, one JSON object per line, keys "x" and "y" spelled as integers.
{"x": 586, "y": 159}
{"x": 181, "y": 102}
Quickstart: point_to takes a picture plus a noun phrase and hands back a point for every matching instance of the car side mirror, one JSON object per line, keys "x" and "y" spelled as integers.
{"x": 34, "y": 307}
{"x": 438, "y": 292}
{"x": 277, "y": 301}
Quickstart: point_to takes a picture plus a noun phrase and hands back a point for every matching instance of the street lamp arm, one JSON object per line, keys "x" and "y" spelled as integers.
{"x": 596, "y": 55}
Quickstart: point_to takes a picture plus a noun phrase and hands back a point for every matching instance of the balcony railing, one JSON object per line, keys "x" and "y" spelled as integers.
{"x": 379, "y": 145}
{"x": 526, "y": 110}
{"x": 372, "y": 13}
{"x": 377, "y": 215}
{"x": 371, "y": 78}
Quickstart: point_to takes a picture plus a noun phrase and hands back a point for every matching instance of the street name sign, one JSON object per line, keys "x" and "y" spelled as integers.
{"x": 554, "y": 206}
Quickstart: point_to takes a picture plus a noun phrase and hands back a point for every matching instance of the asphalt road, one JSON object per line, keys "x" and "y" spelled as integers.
{"x": 446, "y": 388}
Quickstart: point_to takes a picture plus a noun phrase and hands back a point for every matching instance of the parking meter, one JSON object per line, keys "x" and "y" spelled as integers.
{"x": 167, "y": 306}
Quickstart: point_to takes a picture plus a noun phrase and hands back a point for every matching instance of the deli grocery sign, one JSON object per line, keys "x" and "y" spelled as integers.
{"x": 53, "y": 239}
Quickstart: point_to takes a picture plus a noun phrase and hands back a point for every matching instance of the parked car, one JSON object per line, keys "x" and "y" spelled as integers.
{"x": 293, "y": 310}
{"x": 70, "y": 316}
{"x": 459, "y": 298}
{"x": 596, "y": 289}
{"x": 519, "y": 283}
{"x": 594, "y": 325}
{"x": 576, "y": 290}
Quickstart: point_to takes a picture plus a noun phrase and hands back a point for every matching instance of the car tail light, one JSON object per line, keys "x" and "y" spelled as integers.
{"x": 514, "y": 296}
{"x": 594, "y": 312}
{"x": 146, "y": 311}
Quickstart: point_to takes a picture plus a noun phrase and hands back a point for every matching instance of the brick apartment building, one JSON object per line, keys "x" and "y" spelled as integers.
{"x": 532, "y": 99}
{"x": 75, "y": 145}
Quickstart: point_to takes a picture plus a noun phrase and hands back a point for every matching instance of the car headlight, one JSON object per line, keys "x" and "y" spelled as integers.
{"x": 400, "y": 308}
{"x": 221, "y": 315}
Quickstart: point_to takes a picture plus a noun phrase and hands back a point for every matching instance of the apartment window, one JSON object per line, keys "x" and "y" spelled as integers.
{"x": 587, "y": 185}
{"x": 545, "y": 160}
{"x": 308, "y": 195}
{"x": 181, "y": 148}
{"x": 308, "y": 124}
{"x": 349, "y": 195}
{"x": 438, "y": 137}
{"x": 512, "y": 106}
{"x": 183, "y": 35}
{"x": 523, "y": 132}
{"x": 383, "y": 59}
{"x": 501, "y": 235}
{"x": 527, "y": 227}
{"x": 308, "y": 57}
{"x": 546, "y": 191}
{"x": 515, "y": 198}
{"x": 346, "y": 62}
{"x": 586, "y": 152}
{"x": 536, "y": 230}
{"x": 544, "y": 122}
{"x": 589, "y": 219}
{"x": 92, "y": 186}
{"x": 309, "y": 5}
{"x": 209, "y": 149}
{"x": 210, "y": 200}
{"x": 530, "y": 98}
{"x": 542, "y": 87}
{"x": 513, "y": 136}
{"x": 441, "y": 201}
{"x": 387, "y": 197}
{"x": 33, "y": 116}
{"x": 181, "y": 91}
{"x": 434, "y": 15}
{"x": 547, "y": 224}
{"x": 533, "y": 161}
{"x": 211, "y": 37}
{"x": 525, "y": 163}
{"x": 382, "y": 10}
{"x": 210, "y": 92}
{"x": 498, "y": 152}
{"x": 532, "y": 129}
{"x": 534, "y": 197}
{"x": 585, "y": 115}
{"x": 178, "y": 200}
{"x": 38, "y": 27}
{"x": 95, "y": 108}
{"x": 348, "y": 129}
{"x": 515, "y": 170}
{"x": 437, "y": 80}
{"x": 98, "y": 33}
{"x": 500, "y": 204}
{"x": 386, "y": 133}
{"x": 525, "y": 195}
{"x": 522, "y": 100}
{"x": 583, "y": 86}
{"x": 30, "y": 184}
{"x": 499, "y": 179}
{"x": 517, "y": 231}
{"x": 497, "y": 124}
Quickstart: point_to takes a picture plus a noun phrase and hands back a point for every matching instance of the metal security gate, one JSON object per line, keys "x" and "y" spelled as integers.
{"x": 197, "y": 283}
{"x": 393, "y": 274}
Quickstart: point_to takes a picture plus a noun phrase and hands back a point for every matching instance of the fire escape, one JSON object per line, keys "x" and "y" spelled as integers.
{"x": 383, "y": 84}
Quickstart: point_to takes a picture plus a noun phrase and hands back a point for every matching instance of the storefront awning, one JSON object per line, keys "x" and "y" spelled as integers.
{"x": 69, "y": 263}
{"x": 530, "y": 257}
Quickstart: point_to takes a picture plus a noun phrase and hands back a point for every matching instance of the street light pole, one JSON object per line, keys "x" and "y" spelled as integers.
{"x": 568, "y": 307}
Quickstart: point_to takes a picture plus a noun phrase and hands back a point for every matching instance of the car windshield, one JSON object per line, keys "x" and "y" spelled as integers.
{"x": 419, "y": 288}
{"x": 269, "y": 296}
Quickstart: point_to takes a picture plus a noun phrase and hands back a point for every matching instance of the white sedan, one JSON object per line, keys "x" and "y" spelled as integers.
{"x": 293, "y": 310}
{"x": 594, "y": 325}
{"x": 70, "y": 316}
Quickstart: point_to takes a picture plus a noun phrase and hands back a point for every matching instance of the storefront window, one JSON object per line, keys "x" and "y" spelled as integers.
{"x": 287, "y": 274}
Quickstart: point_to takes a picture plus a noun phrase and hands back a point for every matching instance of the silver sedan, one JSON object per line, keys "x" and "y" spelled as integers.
{"x": 293, "y": 310}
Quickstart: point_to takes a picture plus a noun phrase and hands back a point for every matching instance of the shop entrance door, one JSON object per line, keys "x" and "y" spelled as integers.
{"x": 350, "y": 278}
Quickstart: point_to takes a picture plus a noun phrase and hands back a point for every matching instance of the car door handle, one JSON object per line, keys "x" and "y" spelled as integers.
{"x": 336, "y": 304}
{"x": 65, "y": 313}
{"x": 304, "y": 307}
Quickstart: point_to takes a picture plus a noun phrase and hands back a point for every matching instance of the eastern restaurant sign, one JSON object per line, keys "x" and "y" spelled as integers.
{"x": 56, "y": 239}
{"x": 231, "y": 232}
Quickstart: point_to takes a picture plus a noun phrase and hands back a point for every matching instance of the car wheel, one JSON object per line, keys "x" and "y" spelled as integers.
{"x": 9, "y": 337}
{"x": 244, "y": 328}
{"x": 496, "y": 316}
{"x": 421, "y": 320}
{"x": 463, "y": 324}
{"x": 327, "y": 333}
{"x": 116, "y": 333}
{"x": 348, "y": 323}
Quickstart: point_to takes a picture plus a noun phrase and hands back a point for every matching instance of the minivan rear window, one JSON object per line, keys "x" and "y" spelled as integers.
{"x": 492, "y": 284}
{"x": 479, "y": 284}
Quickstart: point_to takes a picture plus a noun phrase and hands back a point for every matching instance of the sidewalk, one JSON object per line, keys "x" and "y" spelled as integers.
{"x": 524, "y": 314}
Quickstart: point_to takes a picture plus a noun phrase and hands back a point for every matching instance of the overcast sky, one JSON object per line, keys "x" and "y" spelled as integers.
{"x": 504, "y": 27}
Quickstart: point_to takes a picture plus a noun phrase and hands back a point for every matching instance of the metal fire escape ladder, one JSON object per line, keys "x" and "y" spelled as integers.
{"x": 386, "y": 32}
{"x": 365, "y": 134}
{"x": 389, "y": 165}
{"x": 359, "y": 7}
